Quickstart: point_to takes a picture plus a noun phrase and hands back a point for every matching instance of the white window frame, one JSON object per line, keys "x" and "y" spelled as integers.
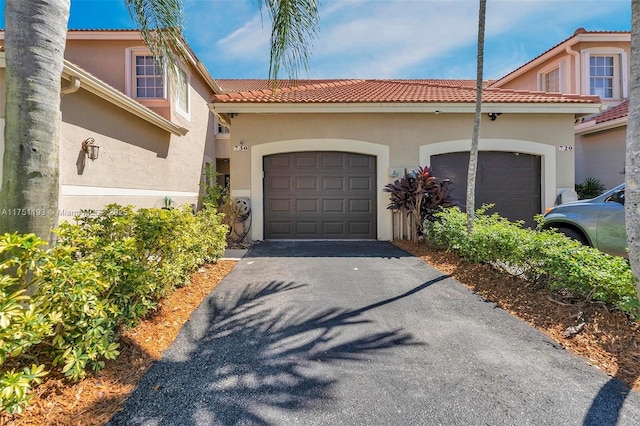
{"x": 620, "y": 71}
{"x": 187, "y": 75}
{"x": 560, "y": 66}
{"x": 130, "y": 73}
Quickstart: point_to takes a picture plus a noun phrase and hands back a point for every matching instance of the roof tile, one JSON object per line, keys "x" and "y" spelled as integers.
{"x": 375, "y": 91}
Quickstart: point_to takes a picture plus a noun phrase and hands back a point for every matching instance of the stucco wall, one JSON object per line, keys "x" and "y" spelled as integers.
{"x": 601, "y": 155}
{"x": 399, "y": 138}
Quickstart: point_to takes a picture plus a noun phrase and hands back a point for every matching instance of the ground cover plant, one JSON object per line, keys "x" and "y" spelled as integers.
{"x": 541, "y": 256}
{"x": 62, "y": 310}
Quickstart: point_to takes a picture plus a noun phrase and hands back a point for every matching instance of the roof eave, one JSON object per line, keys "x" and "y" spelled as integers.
{"x": 403, "y": 107}
{"x": 591, "y": 126}
{"x": 114, "y": 96}
{"x": 583, "y": 37}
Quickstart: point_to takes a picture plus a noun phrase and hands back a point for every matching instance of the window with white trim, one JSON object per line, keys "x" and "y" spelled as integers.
{"x": 182, "y": 92}
{"x": 551, "y": 80}
{"x": 605, "y": 73}
{"x": 602, "y": 75}
{"x": 149, "y": 79}
{"x": 222, "y": 129}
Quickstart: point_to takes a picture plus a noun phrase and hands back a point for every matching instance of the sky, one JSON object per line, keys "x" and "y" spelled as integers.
{"x": 400, "y": 39}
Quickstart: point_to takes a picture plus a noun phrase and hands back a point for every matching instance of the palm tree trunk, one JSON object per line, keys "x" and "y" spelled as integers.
{"x": 632, "y": 166}
{"x": 475, "y": 137}
{"x": 35, "y": 37}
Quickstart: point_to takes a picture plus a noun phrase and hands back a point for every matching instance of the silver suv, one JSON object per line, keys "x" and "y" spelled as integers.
{"x": 598, "y": 222}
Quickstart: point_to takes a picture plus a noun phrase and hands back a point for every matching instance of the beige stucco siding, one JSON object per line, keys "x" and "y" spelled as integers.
{"x": 399, "y": 141}
{"x": 139, "y": 163}
{"x": 601, "y": 155}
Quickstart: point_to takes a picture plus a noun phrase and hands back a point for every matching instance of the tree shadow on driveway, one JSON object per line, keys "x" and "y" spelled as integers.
{"x": 239, "y": 358}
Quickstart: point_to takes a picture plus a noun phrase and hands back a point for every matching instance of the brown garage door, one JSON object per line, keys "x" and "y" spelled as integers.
{"x": 509, "y": 180}
{"x": 319, "y": 195}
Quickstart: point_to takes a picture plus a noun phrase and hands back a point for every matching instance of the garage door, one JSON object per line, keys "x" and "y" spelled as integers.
{"x": 509, "y": 180}
{"x": 319, "y": 195}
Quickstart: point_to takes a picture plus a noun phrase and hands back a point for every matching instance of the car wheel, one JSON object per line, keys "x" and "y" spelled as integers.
{"x": 574, "y": 235}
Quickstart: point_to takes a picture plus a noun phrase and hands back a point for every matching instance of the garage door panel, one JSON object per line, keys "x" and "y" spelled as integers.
{"x": 360, "y": 206}
{"x": 333, "y": 183}
{"x": 330, "y": 160}
{"x": 306, "y": 161}
{"x": 303, "y": 183}
{"x": 280, "y": 205}
{"x": 307, "y": 206}
{"x": 280, "y": 183}
{"x": 324, "y": 195}
{"x": 333, "y": 206}
{"x": 360, "y": 161}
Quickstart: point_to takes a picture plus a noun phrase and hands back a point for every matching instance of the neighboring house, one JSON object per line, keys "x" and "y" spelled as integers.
{"x": 313, "y": 156}
{"x": 587, "y": 63}
{"x": 155, "y": 133}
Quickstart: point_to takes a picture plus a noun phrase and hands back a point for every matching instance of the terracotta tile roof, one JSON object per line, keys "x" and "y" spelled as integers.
{"x": 613, "y": 113}
{"x": 379, "y": 91}
{"x": 577, "y": 32}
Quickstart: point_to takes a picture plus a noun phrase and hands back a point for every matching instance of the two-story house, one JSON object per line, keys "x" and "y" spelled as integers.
{"x": 155, "y": 133}
{"x": 587, "y": 63}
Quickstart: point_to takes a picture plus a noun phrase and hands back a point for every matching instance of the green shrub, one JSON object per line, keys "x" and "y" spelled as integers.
{"x": 590, "y": 188}
{"x": 538, "y": 255}
{"x": 105, "y": 272}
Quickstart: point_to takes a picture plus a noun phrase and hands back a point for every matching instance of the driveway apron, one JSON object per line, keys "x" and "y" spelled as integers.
{"x": 362, "y": 333}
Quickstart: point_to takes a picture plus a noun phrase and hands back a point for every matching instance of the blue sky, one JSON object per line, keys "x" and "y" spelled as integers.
{"x": 379, "y": 38}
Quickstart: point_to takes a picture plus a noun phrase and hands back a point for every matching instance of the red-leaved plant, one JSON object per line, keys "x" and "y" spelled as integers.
{"x": 420, "y": 194}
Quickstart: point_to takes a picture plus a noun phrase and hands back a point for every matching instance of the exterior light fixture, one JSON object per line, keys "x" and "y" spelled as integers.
{"x": 494, "y": 115}
{"x": 89, "y": 146}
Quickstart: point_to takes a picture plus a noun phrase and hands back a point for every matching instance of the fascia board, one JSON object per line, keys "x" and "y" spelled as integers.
{"x": 585, "y": 128}
{"x": 103, "y": 35}
{"x": 114, "y": 96}
{"x": 284, "y": 108}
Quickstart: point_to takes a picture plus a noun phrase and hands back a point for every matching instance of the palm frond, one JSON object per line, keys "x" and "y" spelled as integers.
{"x": 294, "y": 26}
{"x": 161, "y": 23}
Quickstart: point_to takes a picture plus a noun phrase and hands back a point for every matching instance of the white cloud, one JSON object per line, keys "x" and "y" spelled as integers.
{"x": 399, "y": 38}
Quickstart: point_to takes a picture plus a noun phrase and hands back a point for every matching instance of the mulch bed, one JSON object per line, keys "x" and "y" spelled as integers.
{"x": 94, "y": 400}
{"x": 609, "y": 340}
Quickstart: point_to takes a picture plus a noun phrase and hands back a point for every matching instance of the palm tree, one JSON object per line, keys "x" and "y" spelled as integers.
{"x": 632, "y": 165}
{"x": 473, "y": 156}
{"x": 35, "y": 38}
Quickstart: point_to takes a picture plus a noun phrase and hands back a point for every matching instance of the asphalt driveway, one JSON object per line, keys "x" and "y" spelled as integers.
{"x": 362, "y": 333}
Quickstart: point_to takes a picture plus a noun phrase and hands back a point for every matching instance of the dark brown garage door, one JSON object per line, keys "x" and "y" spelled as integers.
{"x": 509, "y": 180}
{"x": 319, "y": 195}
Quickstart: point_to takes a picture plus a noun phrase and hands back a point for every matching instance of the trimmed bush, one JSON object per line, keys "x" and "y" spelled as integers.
{"x": 538, "y": 255}
{"x": 106, "y": 272}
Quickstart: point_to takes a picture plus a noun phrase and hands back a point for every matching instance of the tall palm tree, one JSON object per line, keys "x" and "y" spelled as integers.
{"x": 475, "y": 137}
{"x": 35, "y": 38}
{"x": 632, "y": 165}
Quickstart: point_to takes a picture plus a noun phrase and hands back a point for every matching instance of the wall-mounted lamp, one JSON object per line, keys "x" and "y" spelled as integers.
{"x": 89, "y": 146}
{"x": 494, "y": 115}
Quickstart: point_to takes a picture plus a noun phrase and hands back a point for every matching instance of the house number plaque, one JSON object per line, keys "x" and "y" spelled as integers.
{"x": 240, "y": 148}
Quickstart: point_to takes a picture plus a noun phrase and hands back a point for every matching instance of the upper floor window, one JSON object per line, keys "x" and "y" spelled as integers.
{"x": 149, "y": 79}
{"x": 605, "y": 73}
{"x": 182, "y": 92}
{"x": 551, "y": 80}
{"x": 601, "y": 76}
{"x": 145, "y": 79}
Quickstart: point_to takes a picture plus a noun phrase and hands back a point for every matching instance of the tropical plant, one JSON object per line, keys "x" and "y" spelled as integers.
{"x": 212, "y": 193}
{"x": 590, "y": 188}
{"x": 34, "y": 43}
{"x": 419, "y": 194}
{"x": 475, "y": 137}
{"x": 632, "y": 164}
